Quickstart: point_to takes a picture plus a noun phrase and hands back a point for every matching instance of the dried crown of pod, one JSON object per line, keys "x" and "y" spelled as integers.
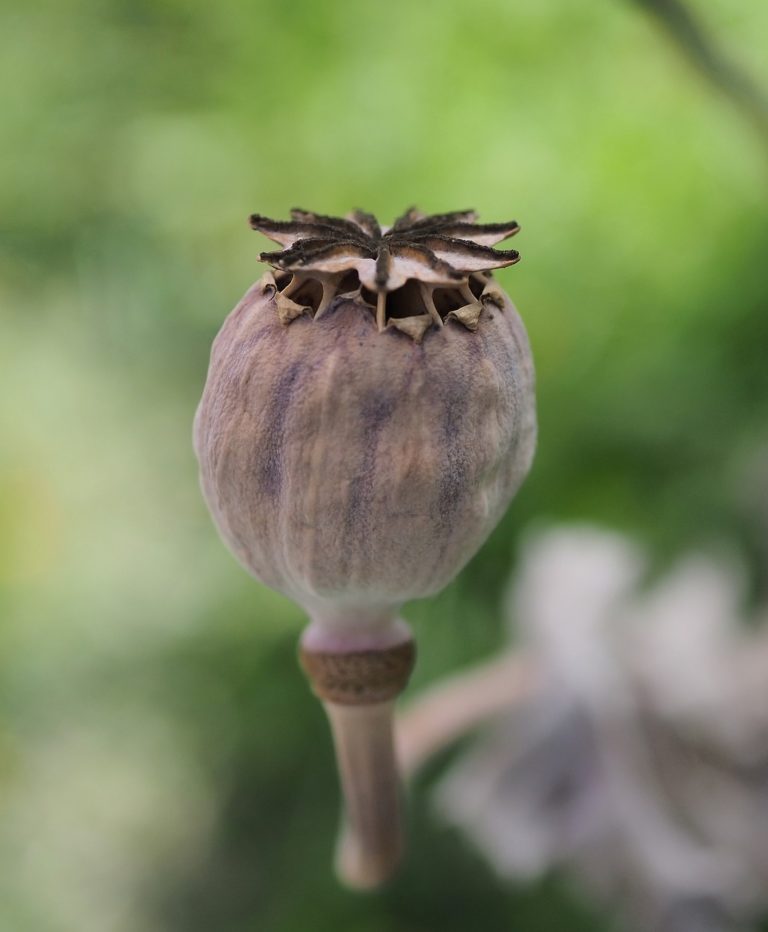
{"x": 368, "y": 415}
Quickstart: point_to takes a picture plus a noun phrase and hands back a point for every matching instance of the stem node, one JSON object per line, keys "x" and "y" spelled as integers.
{"x": 358, "y": 689}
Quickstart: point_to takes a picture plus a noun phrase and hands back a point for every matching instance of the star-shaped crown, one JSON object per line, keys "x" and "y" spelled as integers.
{"x": 436, "y": 251}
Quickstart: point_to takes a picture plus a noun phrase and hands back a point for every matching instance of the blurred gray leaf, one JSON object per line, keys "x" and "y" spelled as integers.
{"x": 640, "y": 762}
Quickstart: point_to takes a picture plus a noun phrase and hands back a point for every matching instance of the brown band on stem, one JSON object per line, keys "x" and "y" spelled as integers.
{"x": 359, "y": 677}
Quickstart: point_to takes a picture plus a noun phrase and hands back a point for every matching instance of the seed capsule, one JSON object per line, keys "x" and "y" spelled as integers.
{"x": 368, "y": 416}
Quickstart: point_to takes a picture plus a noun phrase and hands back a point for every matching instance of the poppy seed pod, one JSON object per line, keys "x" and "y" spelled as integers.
{"x": 368, "y": 416}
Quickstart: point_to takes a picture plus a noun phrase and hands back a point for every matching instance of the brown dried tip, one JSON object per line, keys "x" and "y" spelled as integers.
{"x": 420, "y": 272}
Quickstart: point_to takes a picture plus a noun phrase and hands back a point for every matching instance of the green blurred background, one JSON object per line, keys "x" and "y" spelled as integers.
{"x": 162, "y": 763}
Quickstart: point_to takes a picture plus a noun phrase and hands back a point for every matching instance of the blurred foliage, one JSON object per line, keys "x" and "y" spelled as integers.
{"x": 162, "y": 765}
{"x": 692, "y": 37}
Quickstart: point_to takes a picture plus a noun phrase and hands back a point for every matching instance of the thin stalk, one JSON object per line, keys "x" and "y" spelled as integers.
{"x": 699, "y": 45}
{"x": 381, "y": 310}
{"x": 371, "y": 840}
{"x": 455, "y": 706}
{"x": 358, "y": 689}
